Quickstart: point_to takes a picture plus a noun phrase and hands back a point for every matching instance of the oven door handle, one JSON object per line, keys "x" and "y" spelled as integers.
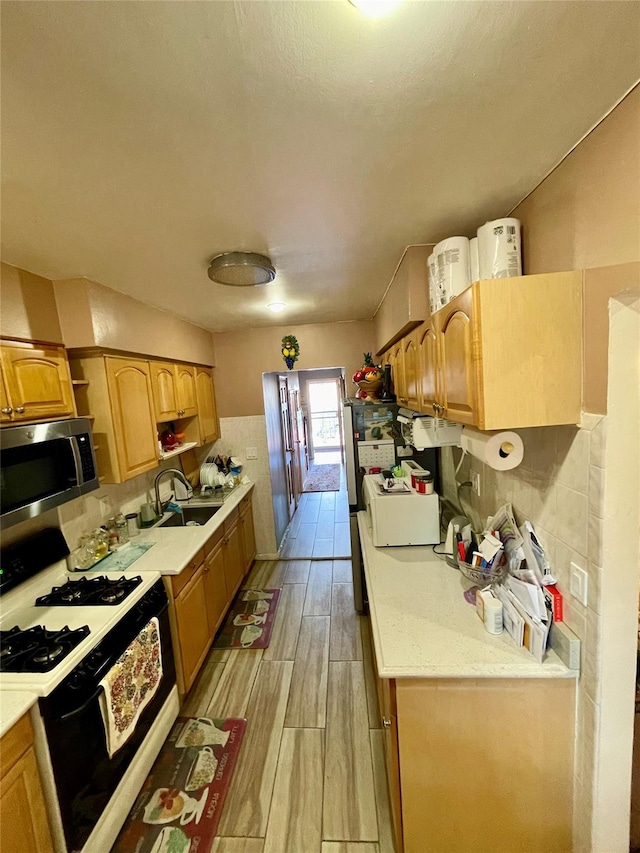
{"x": 82, "y": 707}
{"x": 75, "y": 450}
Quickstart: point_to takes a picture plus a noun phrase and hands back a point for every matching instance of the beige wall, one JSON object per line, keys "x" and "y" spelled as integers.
{"x": 242, "y": 358}
{"x": 587, "y": 212}
{"x": 27, "y": 306}
{"x": 94, "y": 315}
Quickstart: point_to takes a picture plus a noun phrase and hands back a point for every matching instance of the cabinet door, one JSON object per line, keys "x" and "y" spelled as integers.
{"x": 38, "y": 382}
{"x": 428, "y": 369}
{"x": 186, "y": 377}
{"x": 410, "y": 361}
{"x": 207, "y": 414}
{"x": 248, "y": 537}
{"x": 233, "y": 564}
{"x": 23, "y": 819}
{"x": 215, "y": 588}
{"x": 165, "y": 391}
{"x": 134, "y": 422}
{"x": 457, "y": 385}
{"x": 397, "y": 372}
{"x": 193, "y": 626}
{"x": 5, "y": 413}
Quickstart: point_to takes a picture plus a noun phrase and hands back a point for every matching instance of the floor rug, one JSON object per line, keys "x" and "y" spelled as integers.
{"x": 249, "y": 622}
{"x": 322, "y": 478}
{"x": 178, "y": 809}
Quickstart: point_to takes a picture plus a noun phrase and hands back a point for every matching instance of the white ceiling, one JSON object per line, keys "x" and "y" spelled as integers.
{"x": 141, "y": 138}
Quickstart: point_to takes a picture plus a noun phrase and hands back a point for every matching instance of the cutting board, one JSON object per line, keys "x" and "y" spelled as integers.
{"x": 190, "y": 467}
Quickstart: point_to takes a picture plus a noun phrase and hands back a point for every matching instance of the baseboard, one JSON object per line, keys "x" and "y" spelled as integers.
{"x": 266, "y": 557}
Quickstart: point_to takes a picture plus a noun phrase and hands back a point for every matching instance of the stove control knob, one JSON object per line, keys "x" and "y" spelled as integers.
{"x": 77, "y": 679}
{"x": 94, "y": 661}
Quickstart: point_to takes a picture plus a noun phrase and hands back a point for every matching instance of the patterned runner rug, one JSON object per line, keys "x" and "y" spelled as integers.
{"x": 179, "y": 807}
{"x": 249, "y": 622}
{"x": 322, "y": 478}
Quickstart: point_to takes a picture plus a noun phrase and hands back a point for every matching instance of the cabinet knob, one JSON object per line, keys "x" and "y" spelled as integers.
{"x": 20, "y": 410}
{"x": 386, "y": 722}
{"x": 7, "y": 410}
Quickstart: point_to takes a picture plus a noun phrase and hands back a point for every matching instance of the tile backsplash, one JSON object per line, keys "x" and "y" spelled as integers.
{"x": 559, "y": 488}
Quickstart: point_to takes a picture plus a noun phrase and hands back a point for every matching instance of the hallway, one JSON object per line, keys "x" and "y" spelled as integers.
{"x": 320, "y": 525}
{"x": 311, "y": 771}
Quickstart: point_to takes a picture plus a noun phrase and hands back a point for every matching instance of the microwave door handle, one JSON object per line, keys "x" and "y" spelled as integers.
{"x": 75, "y": 450}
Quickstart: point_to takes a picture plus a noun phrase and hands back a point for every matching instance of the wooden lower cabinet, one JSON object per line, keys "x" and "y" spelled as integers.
{"x": 23, "y": 819}
{"x": 200, "y": 595}
{"x": 193, "y": 626}
{"x": 468, "y": 758}
{"x": 247, "y": 534}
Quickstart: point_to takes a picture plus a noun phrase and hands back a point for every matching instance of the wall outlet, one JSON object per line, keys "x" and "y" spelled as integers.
{"x": 474, "y": 476}
{"x": 579, "y": 584}
{"x": 251, "y": 452}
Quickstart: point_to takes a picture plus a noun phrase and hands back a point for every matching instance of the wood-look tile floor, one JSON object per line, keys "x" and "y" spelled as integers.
{"x": 320, "y": 525}
{"x": 310, "y": 776}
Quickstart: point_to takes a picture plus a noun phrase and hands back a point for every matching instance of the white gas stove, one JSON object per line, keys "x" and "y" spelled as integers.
{"x": 38, "y": 661}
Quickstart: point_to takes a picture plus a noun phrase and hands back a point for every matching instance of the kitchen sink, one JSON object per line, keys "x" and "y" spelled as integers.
{"x": 197, "y": 514}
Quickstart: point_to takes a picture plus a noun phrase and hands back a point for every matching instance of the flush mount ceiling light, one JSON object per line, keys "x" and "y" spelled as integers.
{"x": 241, "y": 269}
{"x": 276, "y": 307}
{"x": 375, "y": 8}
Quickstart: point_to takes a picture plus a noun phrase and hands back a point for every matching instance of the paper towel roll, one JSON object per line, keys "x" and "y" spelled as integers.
{"x": 433, "y": 285}
{"x": 499, "y": 252}
{"x": 500, "y": 450}
{"x": 474, "y": 265}
{"x": 452, "y": 267}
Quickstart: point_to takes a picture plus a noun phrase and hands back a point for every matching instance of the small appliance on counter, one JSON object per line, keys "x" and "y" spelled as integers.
{"x": 401, "y": 518}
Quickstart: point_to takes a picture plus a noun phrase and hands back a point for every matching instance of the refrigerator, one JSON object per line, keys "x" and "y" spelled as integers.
{"x": 372, "y": 438}
{"x": 370, "y": 432}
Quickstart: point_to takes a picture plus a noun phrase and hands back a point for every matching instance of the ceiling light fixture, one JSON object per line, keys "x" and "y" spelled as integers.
{"x": 375, "y": 8}
{"x": 276, "y": 307}
{"x": 241, "y": 269}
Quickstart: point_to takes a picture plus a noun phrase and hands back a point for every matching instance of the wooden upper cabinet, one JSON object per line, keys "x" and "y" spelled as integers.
{"x": 165, "y": 390}
{"x": 411, "y": 368}
{"x": 427, "y": 368}
{"x": 457, "y": 385}
{"x": 406, "y": 302}
{"x": 397, "y": 373}
{"x": 38, "y": 382}
{"x": 207, "y": 414}
{"x": 5, "y": 408}
{"x": 134, "y": 424}
{"x": 186, "y": 384}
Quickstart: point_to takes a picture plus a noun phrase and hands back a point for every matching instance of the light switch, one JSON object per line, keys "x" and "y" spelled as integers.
{"x": 251, "y": 452}
{"x": 579, "y": 584}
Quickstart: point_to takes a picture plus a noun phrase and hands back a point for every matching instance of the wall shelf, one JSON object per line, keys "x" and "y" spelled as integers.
{"x": 186, "y": 446}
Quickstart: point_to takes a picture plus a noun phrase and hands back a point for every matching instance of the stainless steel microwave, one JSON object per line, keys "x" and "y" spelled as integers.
{"x": 43, "y": 466}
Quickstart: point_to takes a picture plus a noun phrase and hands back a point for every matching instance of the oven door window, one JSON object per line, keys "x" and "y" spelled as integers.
{"x": 36, "y": 471}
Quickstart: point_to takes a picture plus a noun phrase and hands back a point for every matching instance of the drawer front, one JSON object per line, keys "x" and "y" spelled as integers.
{"x": 178, "y": 582}
{"x": 231, "y": 521}
{"x": 213, "y": 540}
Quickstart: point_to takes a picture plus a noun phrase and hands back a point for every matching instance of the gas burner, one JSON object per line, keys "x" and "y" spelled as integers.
{"x": 36, "y": 649}
{"x": 90, "y": 591}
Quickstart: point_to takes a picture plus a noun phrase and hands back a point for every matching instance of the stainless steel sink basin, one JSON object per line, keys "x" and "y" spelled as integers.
{"x": 197, "y": 514}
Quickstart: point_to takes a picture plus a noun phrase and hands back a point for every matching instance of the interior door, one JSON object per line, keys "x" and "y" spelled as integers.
{"x": 287, "y": 442}
{"x": 299, "y": 469}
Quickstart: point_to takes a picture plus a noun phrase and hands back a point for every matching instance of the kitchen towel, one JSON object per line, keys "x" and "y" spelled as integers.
{"x": 501, "y": 451}
{"x": 130, "y": 685}
{"x": 499, "y": 251}
{"x": 452, "y": 268}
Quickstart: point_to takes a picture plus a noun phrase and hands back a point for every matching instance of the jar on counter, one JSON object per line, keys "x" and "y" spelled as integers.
{"x": 132, "y": 523}
{"x": 122, "y": 529}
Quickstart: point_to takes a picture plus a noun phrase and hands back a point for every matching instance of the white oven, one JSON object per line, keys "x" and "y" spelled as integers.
{"x": 401, "y": 519}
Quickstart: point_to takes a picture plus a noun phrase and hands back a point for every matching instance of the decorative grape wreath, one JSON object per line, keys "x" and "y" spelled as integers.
{"x": 290, "y": 350}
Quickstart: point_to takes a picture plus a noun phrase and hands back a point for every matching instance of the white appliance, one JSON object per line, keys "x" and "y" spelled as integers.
{"x": 401, "y": 519}
{"x": 423, "y": 431}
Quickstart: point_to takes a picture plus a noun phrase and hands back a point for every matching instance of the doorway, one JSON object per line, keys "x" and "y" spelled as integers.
{"x": 324, "y": 414}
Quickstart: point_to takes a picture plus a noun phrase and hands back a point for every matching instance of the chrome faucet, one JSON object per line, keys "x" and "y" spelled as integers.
{"x": 176, "y": 473}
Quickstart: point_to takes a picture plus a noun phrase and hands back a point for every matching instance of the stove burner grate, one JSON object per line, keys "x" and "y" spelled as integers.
{"x": 90, "y": 591}
{"x": 36, "y": 649}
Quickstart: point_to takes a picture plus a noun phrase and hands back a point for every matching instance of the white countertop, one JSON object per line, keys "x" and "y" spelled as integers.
{"x": 13, "y": 705}
{"x": 175, "y": 546}
{"x": 423, "y": 627}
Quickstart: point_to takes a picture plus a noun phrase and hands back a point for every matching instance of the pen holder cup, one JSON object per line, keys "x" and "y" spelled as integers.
{"x": 482, "y": 578}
